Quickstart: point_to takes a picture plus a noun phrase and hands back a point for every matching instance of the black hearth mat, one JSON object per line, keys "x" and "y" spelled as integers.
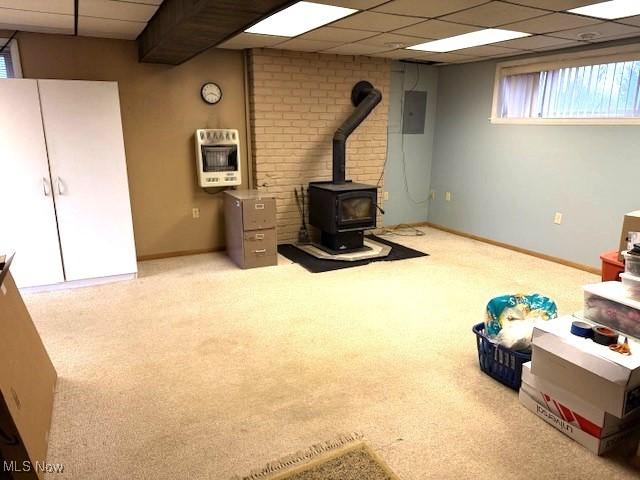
{"x": 316, "y": 265}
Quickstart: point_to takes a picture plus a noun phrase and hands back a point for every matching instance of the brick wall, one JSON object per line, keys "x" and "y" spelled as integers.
{"x": 297, "y": 100}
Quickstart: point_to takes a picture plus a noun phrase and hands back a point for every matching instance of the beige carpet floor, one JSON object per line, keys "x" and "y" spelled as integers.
{"x": 198, "y": 370}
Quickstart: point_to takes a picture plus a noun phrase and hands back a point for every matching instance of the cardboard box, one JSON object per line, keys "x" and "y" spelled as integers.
{"x": 573, "y": 409}
{"x": 631, "y": 223}
{"x": 601, "y": 377}
{"x": 27, "y": 384}
{"x": 595, "y": 445}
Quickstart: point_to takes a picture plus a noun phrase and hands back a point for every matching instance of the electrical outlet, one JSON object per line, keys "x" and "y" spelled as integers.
{"x": 447, "y": 196}
{"x": 433, "y": 195}
{"x": 557, "y": 219}
{"x": 195, "y": 212}
{"x": 385, "y": 196}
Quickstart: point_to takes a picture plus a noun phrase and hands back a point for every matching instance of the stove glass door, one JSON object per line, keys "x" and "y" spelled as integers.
{"x": 356, "y": 208}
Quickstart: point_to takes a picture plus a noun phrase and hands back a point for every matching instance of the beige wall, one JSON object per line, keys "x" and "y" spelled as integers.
{"x": 161, "y": 109}
{"x": 297, "y": 100}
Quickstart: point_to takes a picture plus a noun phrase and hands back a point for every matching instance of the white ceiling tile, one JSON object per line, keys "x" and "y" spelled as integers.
{"x": 555, "y": 5}
{"x": 616, "y": 36}
{"x": 384, "y": 40}
{"x": 569, "y": 44}
{"x": 354, "y": 49}
{"x": 436, "y": 29}
{"x": 251, "y": 40}
{"x": 107, "y": 28}
{"x": 442, "y": 57}
{"x": 378, "y": 22}
{"x": 494, "y": 14}
{"x": 332, "y": 34}
{"x": 116, "y": 10}
{"x": 396, "y": 54}
{"x": 35, "y": 21}
{"x": 488, "y": 51}
{"x": 431, "y": 8}
{"x": 553, "y": 22}
{"x": 537, "y": 42}
{"x": 468, "y": 60}
{"x": 357, "y": 4}
{"x": 302, "y": 45}
{"x": 606, "y": 31}
{"x": 630, "y": 21}
{"x": 50, "y": 6}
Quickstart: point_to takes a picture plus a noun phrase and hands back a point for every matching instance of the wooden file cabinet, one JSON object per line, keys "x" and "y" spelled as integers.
{"x": 250, "y": 220}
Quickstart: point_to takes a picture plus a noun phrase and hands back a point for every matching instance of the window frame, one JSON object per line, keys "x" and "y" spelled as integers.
{"x": 554, "y": 62}
{"x": 14, "y": 52}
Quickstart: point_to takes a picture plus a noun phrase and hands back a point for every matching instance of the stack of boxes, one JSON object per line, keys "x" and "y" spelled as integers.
{"x": 583, "y": 388}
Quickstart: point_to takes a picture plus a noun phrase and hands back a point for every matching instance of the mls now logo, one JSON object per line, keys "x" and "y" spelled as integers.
{"x": 27, "y": 466}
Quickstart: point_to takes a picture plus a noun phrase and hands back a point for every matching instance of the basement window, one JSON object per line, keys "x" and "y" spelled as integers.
{"x": 9, "y": 59}
{"x": 595, "y": 87}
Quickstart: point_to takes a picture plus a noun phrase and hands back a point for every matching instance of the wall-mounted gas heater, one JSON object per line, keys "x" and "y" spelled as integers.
{"x": 218, "y": 157}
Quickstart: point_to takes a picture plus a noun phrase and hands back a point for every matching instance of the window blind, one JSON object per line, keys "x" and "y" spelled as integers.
{"x": 6, "y": 66}
{"x": 608, "y": 90}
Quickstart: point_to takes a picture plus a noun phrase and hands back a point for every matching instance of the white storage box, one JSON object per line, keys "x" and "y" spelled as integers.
{"x": 573, "y": 409}
{"x": 595, "y": 445}
{"x": 599, "y": 376}
{"x": 632, "y": 264}
{"x": 631, "y": 284}
{"x": 609, "y": 304}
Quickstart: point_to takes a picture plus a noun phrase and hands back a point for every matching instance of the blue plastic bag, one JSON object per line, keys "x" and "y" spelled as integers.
{"x": 505, "y": 308}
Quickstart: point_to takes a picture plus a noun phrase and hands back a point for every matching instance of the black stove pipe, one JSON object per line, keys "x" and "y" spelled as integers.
{"x": 365, "y": 98}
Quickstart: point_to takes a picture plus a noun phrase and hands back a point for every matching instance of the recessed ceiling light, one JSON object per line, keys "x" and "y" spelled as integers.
{"x": 610, "y": 10}
{"x": 299, "y": 18}
{"x": 467, "y": 40}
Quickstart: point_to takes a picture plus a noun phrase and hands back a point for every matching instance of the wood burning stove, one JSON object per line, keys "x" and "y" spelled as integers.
{"x": 342, "y": 209}
{"x": 342, "y": 212}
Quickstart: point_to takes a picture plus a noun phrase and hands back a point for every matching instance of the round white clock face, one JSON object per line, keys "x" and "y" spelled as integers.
{"x": 211, "y": 93}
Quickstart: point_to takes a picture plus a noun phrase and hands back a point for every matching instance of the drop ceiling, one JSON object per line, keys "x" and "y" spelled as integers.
{"x": 96, "y": 18}
{"x": 380, "y": 28}
{"x": 384, "y": 28}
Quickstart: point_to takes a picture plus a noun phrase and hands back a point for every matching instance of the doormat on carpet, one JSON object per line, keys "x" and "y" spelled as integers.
{"x": 316, "y": 265}
{"x": 345, "y": 459}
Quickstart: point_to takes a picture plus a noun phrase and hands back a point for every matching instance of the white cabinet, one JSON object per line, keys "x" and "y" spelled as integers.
{"x": 27, "y": 213}
{"x": 64, "y": 202}
{"x": 89, "y": 173}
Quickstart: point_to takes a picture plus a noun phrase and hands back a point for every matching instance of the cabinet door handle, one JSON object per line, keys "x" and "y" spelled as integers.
{"x": 264, "y": 250}
{"x": 45, "y": 187}
{"x": 60, "y": 186}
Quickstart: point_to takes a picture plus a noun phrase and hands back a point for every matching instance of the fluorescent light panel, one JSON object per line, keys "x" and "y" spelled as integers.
{"x": 610, "y": 10}
{"x": 468, "y": 40}
{"x": 299, "y": 18}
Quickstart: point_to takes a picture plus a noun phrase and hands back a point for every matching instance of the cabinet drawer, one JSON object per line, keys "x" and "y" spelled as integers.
{"x": 257, "y": 214}
{"x": 260, "y": 247}
{"x": 258, "y": 239}
{"x": 260, "y": 257}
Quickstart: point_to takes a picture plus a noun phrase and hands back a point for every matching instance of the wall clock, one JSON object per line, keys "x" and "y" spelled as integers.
{"x": 211, "y": 93}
